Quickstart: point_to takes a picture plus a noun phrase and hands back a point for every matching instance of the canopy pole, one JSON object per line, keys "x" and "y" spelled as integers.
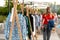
{"x": 22, "y": 8}
{"x": 15, "y": 17}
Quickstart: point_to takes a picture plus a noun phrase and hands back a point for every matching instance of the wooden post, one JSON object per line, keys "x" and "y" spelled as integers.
{"x": 15, "y": 17}
{"x": 11, "y": 29}
{"x": 27, "y": 9}
{"x": 31, "y": 10}
{"x": 22, "y": 8}
{"x": 17, "y": 21}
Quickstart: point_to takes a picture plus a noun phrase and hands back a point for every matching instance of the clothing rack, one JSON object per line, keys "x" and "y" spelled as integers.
{"x": 27, "y": 9}
{"x": 31, "y": 11}
{"x": 15, "y": 17}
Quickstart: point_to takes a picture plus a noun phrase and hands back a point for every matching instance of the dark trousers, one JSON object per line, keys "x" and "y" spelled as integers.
{"x": 46, "y": 33}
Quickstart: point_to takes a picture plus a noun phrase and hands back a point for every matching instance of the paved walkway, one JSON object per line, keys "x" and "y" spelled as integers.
{"x": 2, "y": 37}
{"x": 54, "y": 36}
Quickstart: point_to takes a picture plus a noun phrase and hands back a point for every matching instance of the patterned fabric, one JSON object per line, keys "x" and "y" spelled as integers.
{"x": 7, "y": 27}
{"x": 28, "y": 26}
{"x": 23, "y": 25}
{"x": 15, "y": 35}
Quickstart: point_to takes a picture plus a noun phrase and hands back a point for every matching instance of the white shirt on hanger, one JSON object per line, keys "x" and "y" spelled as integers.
{"x": 11, "y": 14}
{"x": 34, "y": 25}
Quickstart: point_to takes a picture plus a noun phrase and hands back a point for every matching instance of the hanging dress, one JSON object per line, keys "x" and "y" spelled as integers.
{"x": 15, "y": 35}
{"x": 28, "y": 26}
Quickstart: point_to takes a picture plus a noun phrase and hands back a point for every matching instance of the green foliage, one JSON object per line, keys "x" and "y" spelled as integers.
{"x": 3, "y": 11}
{"x": 42, "y": 10}
{"x": 18, "y": 7}
{"x": 6, "y": 2}
{"x": 2, "y": 18}
{"x": 58, "y": 12}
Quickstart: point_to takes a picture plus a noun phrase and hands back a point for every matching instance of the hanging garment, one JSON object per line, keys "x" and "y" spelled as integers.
{"x": 34, "y": 24}
{"x": 36, "y": 21}
{"x": 40, "y": 20}
{"x": 23, "y": 25}
{"x": 31, "y": 20}
{"x": 7, "y": 27}
{"x": 12, "y": 14}
{"x": 15, "y": 35}
{"x": 28, "y": 26}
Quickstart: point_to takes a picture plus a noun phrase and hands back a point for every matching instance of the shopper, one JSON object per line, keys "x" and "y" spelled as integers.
{"x": 47, "y": 23}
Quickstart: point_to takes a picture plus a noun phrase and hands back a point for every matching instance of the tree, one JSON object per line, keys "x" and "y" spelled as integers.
{"x": 58, "y": 12}
{"x": 4, "y": 11}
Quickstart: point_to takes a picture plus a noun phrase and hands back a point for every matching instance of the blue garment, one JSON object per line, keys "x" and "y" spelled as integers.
{"x": 50, "y": 24}
{"x": 15, "y": 35}
{"x": 37, "y": 20}
{"x": 7, "y": 26}
{"x": 28, "y": 26}
{"x": 23, "y": 25}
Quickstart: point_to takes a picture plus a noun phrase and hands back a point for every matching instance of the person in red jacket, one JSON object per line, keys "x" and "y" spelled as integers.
{"x": 46, "y": 17}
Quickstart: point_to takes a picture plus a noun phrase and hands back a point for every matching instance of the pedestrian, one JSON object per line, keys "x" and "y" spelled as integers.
{"x": 55, "y": 21}
{"x": 48, "y": 23}
{"x": 55, "y": 18}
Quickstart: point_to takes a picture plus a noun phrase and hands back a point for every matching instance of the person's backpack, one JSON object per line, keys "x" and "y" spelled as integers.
{"x": 50, "y": 24}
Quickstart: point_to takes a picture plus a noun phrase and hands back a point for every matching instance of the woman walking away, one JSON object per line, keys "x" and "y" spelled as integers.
{"x": 48, "y": 23}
